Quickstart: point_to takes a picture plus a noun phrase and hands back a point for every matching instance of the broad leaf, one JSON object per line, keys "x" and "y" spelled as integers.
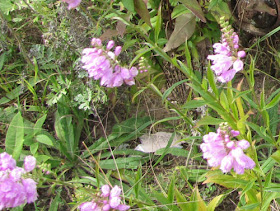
{"x": 15, "y": 136}
{"x": 184, "y": 29}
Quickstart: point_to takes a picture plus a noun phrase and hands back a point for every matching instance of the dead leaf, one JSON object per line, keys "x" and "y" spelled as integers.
{"x": 121, "y": 28}
{"x": 194, "y": 6}
{"x": 141, "y": 8}
{"x": 108, "y": 34}
{"x": 159, "y": 140}
{"x": 184, "y": 29}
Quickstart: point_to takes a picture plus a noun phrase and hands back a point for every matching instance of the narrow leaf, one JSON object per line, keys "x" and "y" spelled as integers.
{"x": 194, "y": 6}
{"x": 141, "y": 8}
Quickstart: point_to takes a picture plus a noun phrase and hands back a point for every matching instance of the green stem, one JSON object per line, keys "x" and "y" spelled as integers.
{"x": 261, "y": 187}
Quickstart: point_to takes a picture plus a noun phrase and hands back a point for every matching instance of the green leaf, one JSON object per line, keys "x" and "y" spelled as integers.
{"x": 17, "y": 91}
{"x": 2, "y": 59}
{"x": 34, "y": 148}
{"x": 141, "y": 8}
{"x": 15, "y": 136}
{"x": 171, "y": 193}
{"x": 194, "y": 6}
{"x": 276, "y": 156}
{"x": 209, "y": 120}
{"x": 214, "y": 203}
{"x": 261, "y": 132}
{"x": 268, "y": 165}
{"x": 181, "y": 200}
{"x": 184, "y": 29}
{"x": 179, "y": 10}
{"x": 121, "y": 163}
{"x": 55, "y": 203}
{"x": 38, "y": 125}
{"x": 194, "y": 104}
{"x": 173, "y": 151}
{"x": 211, "y": 80}
{"x": 250, "y": 206}
{"x": 224, "y": 101}
{"x": 129, "y": 5}
{"x": 44, "y": 139}
{"x": 273, "y": 187}
{"x": 273, "y": 102}
{"x": 170, "y": 89}
{"x": 158, "y": 25}
{"x": 221, "y": 10}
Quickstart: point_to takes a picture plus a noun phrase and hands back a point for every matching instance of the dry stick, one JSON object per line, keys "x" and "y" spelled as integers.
{"x": 109, "y": 148}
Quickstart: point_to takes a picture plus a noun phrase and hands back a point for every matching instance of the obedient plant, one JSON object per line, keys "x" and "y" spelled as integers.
{"x": 227, "y": 59}
{"x": 72, "y": 3}
{"x": 220, "y": 149}
{"x": 108, "y": 200}
{"x": 15, "y": 186}
{"x": 101, "y": 63}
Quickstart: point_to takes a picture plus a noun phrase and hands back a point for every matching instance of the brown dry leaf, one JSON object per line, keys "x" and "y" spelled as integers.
{"x": 184, "y": 29}
{"x": 121, "y": 28}
{"x": 194, "y": 6}
{"x": 108, "y": 34}
{"x": 141, "y": 8}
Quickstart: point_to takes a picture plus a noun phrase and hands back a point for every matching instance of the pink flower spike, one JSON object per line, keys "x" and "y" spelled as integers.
{"x": 88, "y": 206}
{"x": 241, "y": 54}
{"x": 227, "y": 163}
{"x": 105, "y": 189}
{"x": 227, "y": 76}
{"x": 133, "y": 71}
{"x": 118, "y": 50}
{"x": 243, "y": 144}
{"x": 115, "y": 202}
{"x": 29, "y": 163}
{"x": 123, "y": 207}
{"x": 238, "y": 65}
{"x": 115, "y": 192}
{"x": 96, "y": 41}
{"x": 30, "y": 189}
{"x": 6, "y": 162}
{"x": 106, "y": 207}
{"x": 110, "y": 45}
{"x": 72, "y": 3}
{"x": 234, "y": 133}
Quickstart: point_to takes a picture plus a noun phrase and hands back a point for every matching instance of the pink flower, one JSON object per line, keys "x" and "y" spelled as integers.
{"x": 116, "y": 191}
{"x": 109, "y": 200}
{"x": 101, "y": 63}
{"x": 6, "y": 162}
{"x": 220, "y": 150}
{"x": 30, "y": 190}
{"x": 226, "y": 60}
{"x": 88, "y": 206}
{"x": 105, "y": 189}
{"x": 29, "y": 163}
{"x": 15, "y": 188}
{"x": 72, "y": 3}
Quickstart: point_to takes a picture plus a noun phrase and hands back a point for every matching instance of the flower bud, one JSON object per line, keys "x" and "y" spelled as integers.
{"x": 118, "y": 50}
{"x": 110, "y": 45}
